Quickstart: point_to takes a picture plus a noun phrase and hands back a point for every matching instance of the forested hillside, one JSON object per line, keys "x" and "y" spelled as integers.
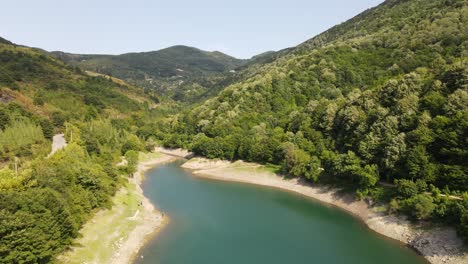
{"x": 178, "y": 72}
{"x": 377, "y": 106}
{"x": 381, "y": 99}
{"x": 45, "y": 200}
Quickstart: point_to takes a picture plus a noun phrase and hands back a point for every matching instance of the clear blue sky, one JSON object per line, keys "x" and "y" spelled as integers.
{"x": 241, "y": 28}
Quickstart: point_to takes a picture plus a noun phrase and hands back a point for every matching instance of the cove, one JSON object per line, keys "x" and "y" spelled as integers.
{"x": 223, "y": 222}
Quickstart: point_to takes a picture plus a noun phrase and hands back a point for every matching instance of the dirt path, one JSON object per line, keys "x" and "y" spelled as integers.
{"x": 58, "y": 142}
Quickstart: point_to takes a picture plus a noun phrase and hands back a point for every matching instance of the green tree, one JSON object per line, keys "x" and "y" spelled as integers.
{"x": 298, "y": 163}
{"x": 47, "y": 128}
{"x": 132, "y": 160}
{"x": 419, "y": 165}
{"x": 132, "y": 142}
{"x": 420, "y": 206}
{"x": 406, "y": 188}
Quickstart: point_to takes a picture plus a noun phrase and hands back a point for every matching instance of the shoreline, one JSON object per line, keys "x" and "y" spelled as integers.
{"x": 151, "y": 226}
{"x": 436, "y": 244}
{"x": 117, "y": 235}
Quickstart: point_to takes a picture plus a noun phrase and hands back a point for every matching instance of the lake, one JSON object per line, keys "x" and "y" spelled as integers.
{"x": 223, "y": 222}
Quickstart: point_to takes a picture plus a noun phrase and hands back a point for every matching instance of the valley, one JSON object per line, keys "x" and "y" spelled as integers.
{"x": 371, "y": 116}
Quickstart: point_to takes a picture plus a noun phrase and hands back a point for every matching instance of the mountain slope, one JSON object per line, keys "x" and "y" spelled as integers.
{"x": 382, "y": 97}
{"x": 45, "y": 200}
{"x": 47, "y": 85}
{"x": 398, "y": 16}
{"x": 4, "y": 41}
{"x": 164, "y": 70}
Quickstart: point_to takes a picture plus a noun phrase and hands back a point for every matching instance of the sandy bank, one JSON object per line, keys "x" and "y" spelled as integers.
{"x": 151, "y": 219}
{"x": 437, "y": 244}
{"x": 115, "y": 236}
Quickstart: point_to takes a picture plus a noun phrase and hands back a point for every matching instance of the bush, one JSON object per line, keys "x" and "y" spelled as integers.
{"x": 420, "y": 206}
{"x": 132, "y": 160}
{"x": 20, "y": 135}
{"x": 58, "y": 118}
{"x": 393, "y": 206}
{"x": 132, "y": 142}
{"x": 406, "y": 188}
{"x": 38, "y": 99}
{"x": 47, "y": 128}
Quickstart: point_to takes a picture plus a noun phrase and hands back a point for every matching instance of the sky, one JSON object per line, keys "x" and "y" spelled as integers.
{"x": 240, "y": 28}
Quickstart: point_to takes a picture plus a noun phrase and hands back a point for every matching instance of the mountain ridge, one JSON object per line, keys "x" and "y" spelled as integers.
{"x": 163, "y": 70}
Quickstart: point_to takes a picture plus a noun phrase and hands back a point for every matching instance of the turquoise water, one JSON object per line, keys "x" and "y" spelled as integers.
{"x": 223, "y": 222}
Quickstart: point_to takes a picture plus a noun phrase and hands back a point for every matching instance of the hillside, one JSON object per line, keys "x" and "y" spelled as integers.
{"x": 377, "y": 105}
{"x": 44, "y": 200}
{"x": 47, "y": 86}
{"x": 4, "y": 41}
{"x": 168, "y": 71}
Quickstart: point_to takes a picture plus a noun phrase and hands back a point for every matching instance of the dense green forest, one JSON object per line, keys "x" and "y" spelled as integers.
{"x": 45, "y": 200}
{"x": 378, "y": 105}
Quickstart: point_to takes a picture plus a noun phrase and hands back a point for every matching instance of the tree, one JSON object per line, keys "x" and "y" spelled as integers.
{"x": 132, "y": 160}
{"x": 47, "y": 128}
{"x": 298, "y": 163}
{"x": 58, "y": 118}
{"x": 455, "y": 78}
{"x": 418, "y": 164}
{"x": 458, "y": 101}
{"x": 406, "y": 188}
{"x": 368, "y": 176}
{"x": 92, "y": 145}
{"x": 348, "y": 167}
{"x": 434, "y": 102}
{"x": 420, "y": 206}
{"x": 132, "y": 142}
{"x": 393, "y": 152}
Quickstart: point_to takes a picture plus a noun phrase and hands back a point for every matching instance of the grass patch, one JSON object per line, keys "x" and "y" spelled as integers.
{"x": 272, "y": 168}
{"x": 143, "y": 157}
{"x": 254, "y": 169}
{"x": 102, "y": 236}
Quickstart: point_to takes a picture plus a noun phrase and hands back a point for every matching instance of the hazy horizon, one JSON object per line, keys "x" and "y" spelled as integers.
{"x": 241, "y": 29}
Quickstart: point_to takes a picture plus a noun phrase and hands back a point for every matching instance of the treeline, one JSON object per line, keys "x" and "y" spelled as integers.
{"x": 386, "y": 103}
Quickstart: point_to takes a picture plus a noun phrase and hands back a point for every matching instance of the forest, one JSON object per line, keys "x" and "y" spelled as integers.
{"x": 376, "y": 106}
{"x": 44, "y": 201}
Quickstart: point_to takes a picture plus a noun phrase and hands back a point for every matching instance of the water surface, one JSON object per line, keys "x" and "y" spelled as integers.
{"x": 222, "y": 222}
